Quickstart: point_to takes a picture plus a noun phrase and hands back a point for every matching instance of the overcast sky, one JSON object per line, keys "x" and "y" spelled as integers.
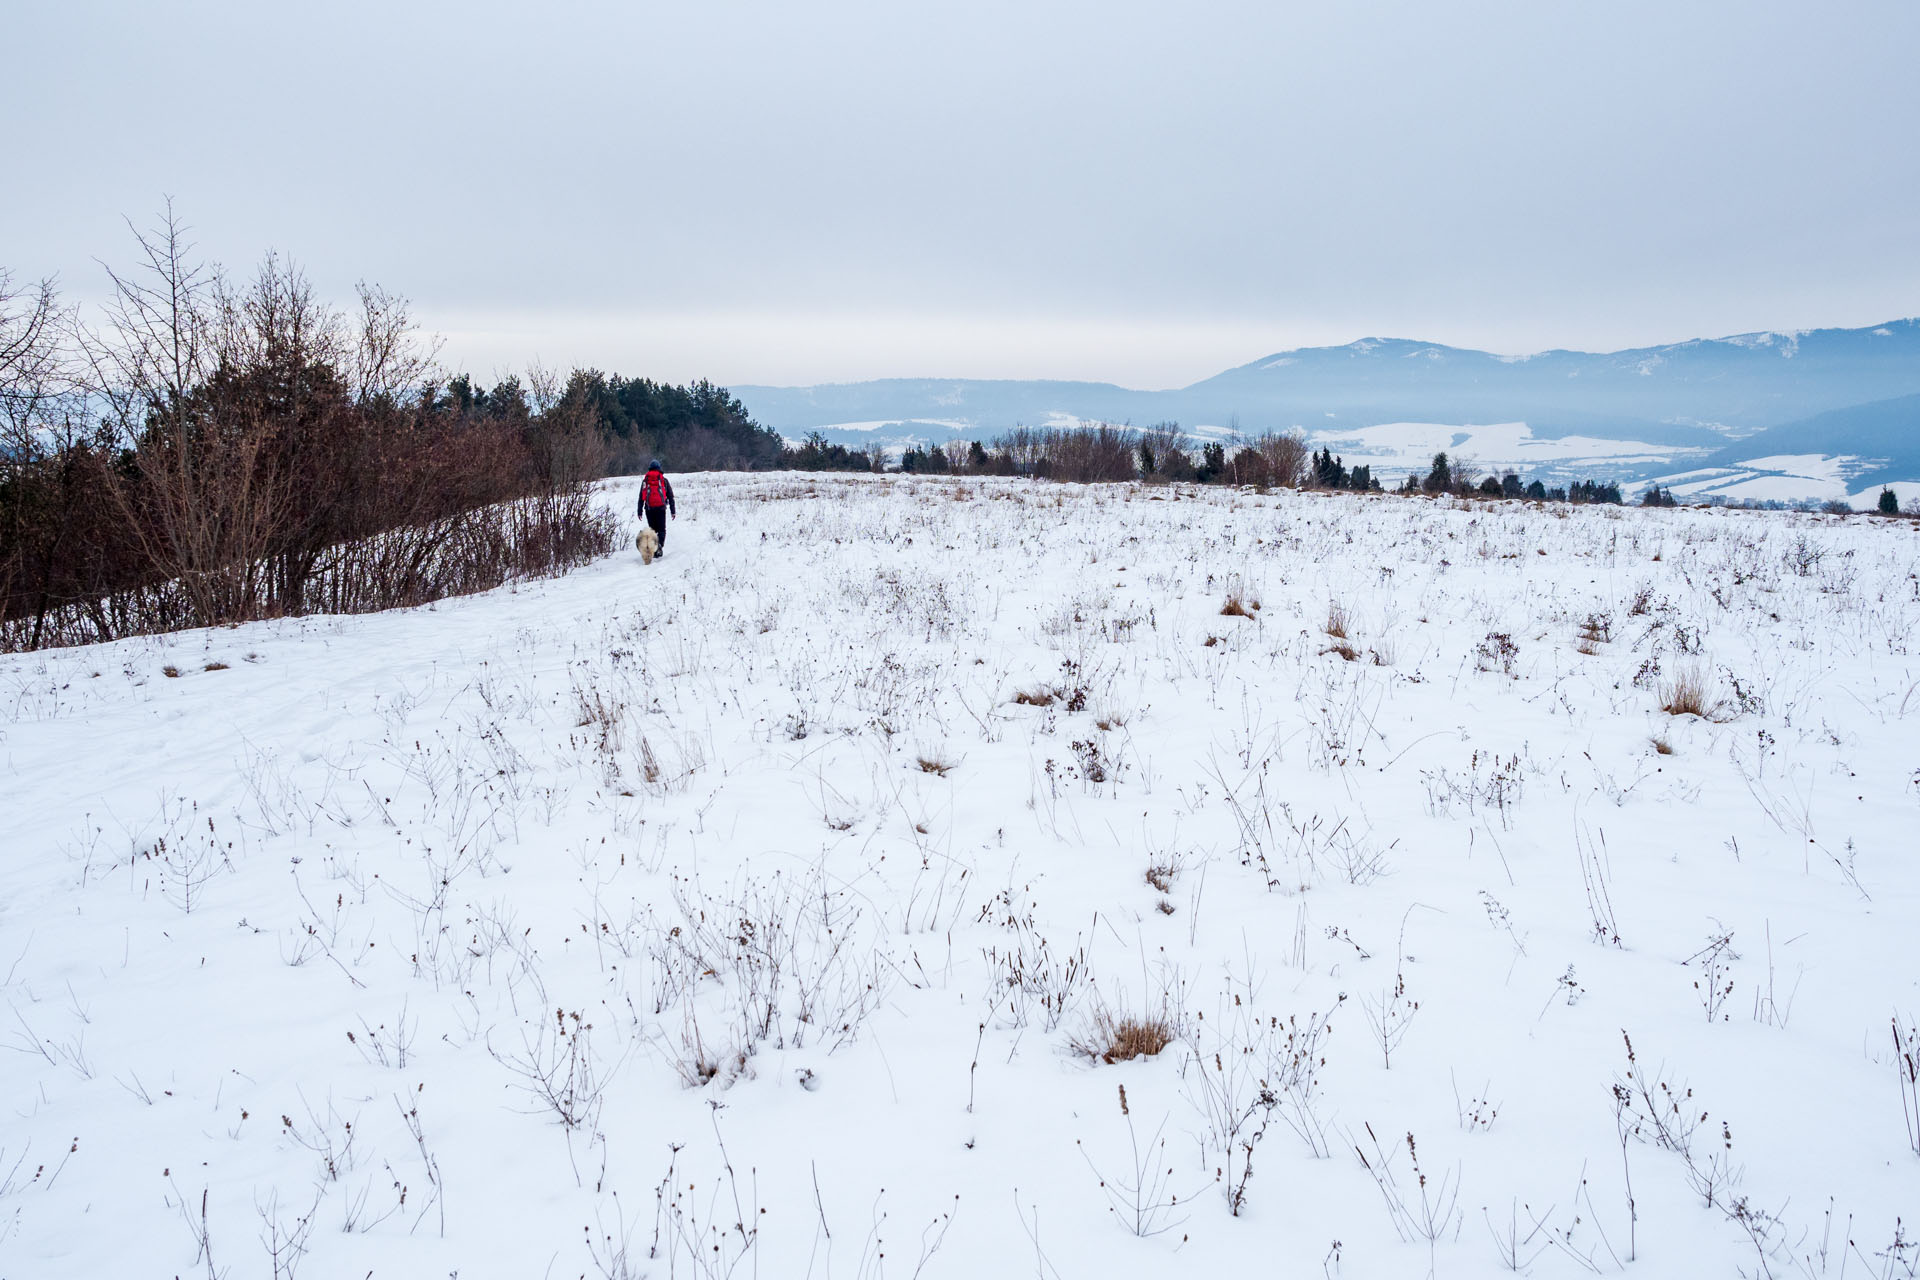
{"x": 1145, "y": 193}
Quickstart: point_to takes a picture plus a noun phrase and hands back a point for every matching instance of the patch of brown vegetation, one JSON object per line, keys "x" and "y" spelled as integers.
{"x": 1687, "y": 692}
{"x": 1123, "y": 1037}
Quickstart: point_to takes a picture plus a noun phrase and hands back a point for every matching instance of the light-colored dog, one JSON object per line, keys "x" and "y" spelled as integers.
{"x": 647, "y": 544}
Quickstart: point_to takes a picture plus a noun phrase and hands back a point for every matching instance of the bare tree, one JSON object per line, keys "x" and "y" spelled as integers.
{"x": 157, "y": 344}
{"x": 199, "y": 498}
{"x": 1276, "y": 458}
{"x": 34, "y": 378}
{"x": 387, "y": 362}
{"x": 1168, "y": 448}
{"x": 35, "y": 369}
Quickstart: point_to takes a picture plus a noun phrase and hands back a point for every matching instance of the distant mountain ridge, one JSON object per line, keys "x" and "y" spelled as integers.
{"x": 1687, "y": 394}
{"x": 1848, "y": 394}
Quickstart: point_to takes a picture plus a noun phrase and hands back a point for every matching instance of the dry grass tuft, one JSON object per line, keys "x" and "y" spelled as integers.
{"x": 1235, "y": 607}
{"x": 1661, "y": 745}
{"x": 170, "y": 672}
{"x": 1034, "y": 697}
{"x": 934, "y": 765}
{"x": 1688, "y": 692}
{"x": 1338, "y": 620}
{"x": 1345, "y": 650}
{"x": 216, "y": 666}
{"x": 1112, "y": 1037}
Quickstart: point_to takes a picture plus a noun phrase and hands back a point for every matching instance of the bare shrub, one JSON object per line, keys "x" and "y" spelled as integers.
{"x": 1165, "y": 452}
{"x": 1244, "y": 1069}
{"x": 1226, "y": 1087}
{"x": 1276, "y": 459}
{"x": 557, "y": 1066}
{"x": 708, "y": 1233}
{"x": 1026, "y": 977}
{"x": 1099, "y": 452}
{"x": 1391, "y": 1015}
{"x": 1595, "y": 631}
{"x": 1424, "y": 1213}
{"x": 1715, "y": 982}
{"x": 1145, "y": 1205}
{"x": 1658, "y": 1111}
{"x": 1497, "y": 652}
{"x": 257, "y": 453}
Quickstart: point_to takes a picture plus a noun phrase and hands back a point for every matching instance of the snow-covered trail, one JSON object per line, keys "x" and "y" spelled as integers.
{"x": 485, "y": 938}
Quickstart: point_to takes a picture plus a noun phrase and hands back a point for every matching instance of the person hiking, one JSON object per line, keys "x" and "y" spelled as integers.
{"x": 656, "y": 503}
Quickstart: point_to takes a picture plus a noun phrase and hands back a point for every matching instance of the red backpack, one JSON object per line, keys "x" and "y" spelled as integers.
{"x": 653, "y": 490}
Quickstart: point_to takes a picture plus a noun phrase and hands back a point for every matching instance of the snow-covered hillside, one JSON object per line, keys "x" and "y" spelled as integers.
{"x": 749, "y": 913}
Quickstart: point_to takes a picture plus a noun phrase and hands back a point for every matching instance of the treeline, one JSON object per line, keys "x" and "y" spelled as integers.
{"x": 1163, "y": 452}
{"x": 216, "y": 451}
{"x": 699, "y": 427}
{"x": 1100, "y": 452}
{"x": 1449, "y": 476}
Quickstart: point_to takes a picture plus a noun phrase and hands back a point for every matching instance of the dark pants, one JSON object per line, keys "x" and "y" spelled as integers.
{"x": 657, "y": 520}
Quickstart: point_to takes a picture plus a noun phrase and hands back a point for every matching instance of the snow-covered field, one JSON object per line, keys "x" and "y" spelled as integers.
{"x": 1783, "y": 478}
{"x": 1399, "y": 447}
{"x": 1793, "y": 478}
{"x": 741, "y": 915}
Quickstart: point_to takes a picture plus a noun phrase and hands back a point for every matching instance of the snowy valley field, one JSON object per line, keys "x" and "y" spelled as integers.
{"x": 771, "y": 911}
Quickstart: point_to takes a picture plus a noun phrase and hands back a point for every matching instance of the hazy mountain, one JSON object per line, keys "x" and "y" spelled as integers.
{"x": 1884, "y": 436}
{"x": 1687, "y": 395}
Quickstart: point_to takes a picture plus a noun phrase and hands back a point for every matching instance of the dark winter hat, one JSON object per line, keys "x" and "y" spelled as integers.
{"x": 653, "y": 464}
